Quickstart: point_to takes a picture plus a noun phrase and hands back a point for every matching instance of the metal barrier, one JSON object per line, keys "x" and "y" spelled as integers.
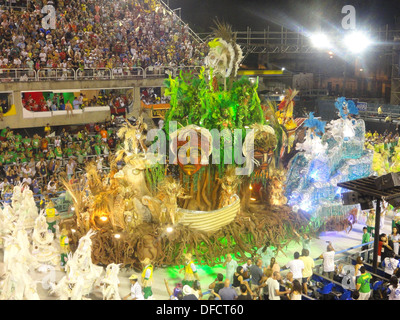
{"x": 128, "y": 73}
{"x": 93, "y": 74}
{"x": 55, "y": 74}
{"x": 60, "y": 74}
{"x": 20, "y": 75}
{"x": 159, "y": 72}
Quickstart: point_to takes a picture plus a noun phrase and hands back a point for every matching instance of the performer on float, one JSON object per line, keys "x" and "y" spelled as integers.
{"x": 51, "y": 216}
{"x": 312, "y": 145}
{"x": 190, "y": 271}
{"x": 147, "y": 279}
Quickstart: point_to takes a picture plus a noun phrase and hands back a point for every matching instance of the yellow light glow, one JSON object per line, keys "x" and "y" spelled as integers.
{"x": 251, "y": 187}
{"x": 169, "y": 229}
{"x": 117, "y": 236}
{"x": 103, "y": 218}
{"x": 253, "y": 199}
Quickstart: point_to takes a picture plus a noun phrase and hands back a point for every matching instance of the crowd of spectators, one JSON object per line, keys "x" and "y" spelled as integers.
{"x": 96, "y": 34}
{"x": 153, "y": 96}
{"x": 41, "y": 161}
{"x": 116, "y": 101}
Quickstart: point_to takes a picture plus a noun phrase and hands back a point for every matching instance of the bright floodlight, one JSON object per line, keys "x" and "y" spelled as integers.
{"x": 320, "y": 40}
{"x": 357, "y": 42}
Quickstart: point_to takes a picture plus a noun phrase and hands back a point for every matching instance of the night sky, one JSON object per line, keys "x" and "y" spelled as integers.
{"x": 309, "y": 14}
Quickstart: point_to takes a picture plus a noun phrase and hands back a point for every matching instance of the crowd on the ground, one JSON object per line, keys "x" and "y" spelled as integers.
{"x": 41, "y": 161}
{"x": 92, "y": 34}
{"x": 261, "y": 277}
{"x": 116, "y": 101}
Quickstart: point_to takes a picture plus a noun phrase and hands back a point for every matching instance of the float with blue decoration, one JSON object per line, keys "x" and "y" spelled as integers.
{"x": 331, "y": 153}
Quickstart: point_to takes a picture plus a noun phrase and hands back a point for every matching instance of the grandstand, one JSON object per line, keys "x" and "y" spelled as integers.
{"x": 131, "y": 44}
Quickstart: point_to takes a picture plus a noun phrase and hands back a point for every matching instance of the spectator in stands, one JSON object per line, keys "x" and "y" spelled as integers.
{"x": 308, "y": 269}
{"x": 365, "y": 239}
{"x": 328, "y": 261}
{"x": 263, "y": 285}
{"x": 363, "y": 284}
{"x": 274, "y": 292}
{"x": 295, "y": 293}
{"x": 394, "y": 240}
{"x": 228, "y": 292}
{"x": 218, "y": 283}
{"x": 68, "y": 107}
{"x": 390, "y": 264}
{"x": 256, "y": 273}
{"x": 296, "y": 266}
{"x": 383, "y": 247}
{"x": 358, "y": 265}
{"x": 393, "y": 290}
{"x": 238, "y": 279}
{"x": 244, "y": 294}
{"x": 274, "y": 266}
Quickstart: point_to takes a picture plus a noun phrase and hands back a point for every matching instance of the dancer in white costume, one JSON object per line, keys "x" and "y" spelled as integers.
{"x": 18, "y": 261}
{"x": 43, "y": 245}
{"x": 82, "y": 275}
{"x": 110, "y": 283}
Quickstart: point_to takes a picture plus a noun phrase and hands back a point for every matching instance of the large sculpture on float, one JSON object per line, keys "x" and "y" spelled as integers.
{"x": 192, "y": 203}
{"x": 331, "y": 153}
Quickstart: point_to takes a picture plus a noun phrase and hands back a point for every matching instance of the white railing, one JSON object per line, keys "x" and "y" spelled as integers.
{"x": 94, "y": 74}
{"x": 64, "y": 74}
{"x": 56, "y": 74}
{"x": 19, "y": 75}
{"x": 159, "y": 72}
{"x": 127, "y": 73}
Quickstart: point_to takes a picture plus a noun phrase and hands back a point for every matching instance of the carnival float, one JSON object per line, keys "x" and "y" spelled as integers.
{"x": 226, "y": 174}
{"x": 191, "y": 198}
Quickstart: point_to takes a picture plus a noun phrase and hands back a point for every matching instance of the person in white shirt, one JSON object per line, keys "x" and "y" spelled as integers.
{"x": 395, "y": 238}
{"x": 136, "y": 289}
{"x": 26, "y": 180}
{"x": 296, "y": 266}
{"x": 390, "y": 264}
{"x": 393, "y": 290}
{"x": 329, "y": 261}
{"x": 273, "y": 287}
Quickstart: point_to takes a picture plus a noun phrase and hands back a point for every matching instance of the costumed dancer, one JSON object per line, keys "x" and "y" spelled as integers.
{"x": 111, "y": 283}
{"x": 64, "y": 246}
{"x": 51, "y": 216}
{"x": 190, "y": 271}
{"x": 147, "y": 279}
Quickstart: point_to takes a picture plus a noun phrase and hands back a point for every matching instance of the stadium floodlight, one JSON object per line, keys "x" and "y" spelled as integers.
{"x": 320, "y": 40}
{"x": 357, "y": 42}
